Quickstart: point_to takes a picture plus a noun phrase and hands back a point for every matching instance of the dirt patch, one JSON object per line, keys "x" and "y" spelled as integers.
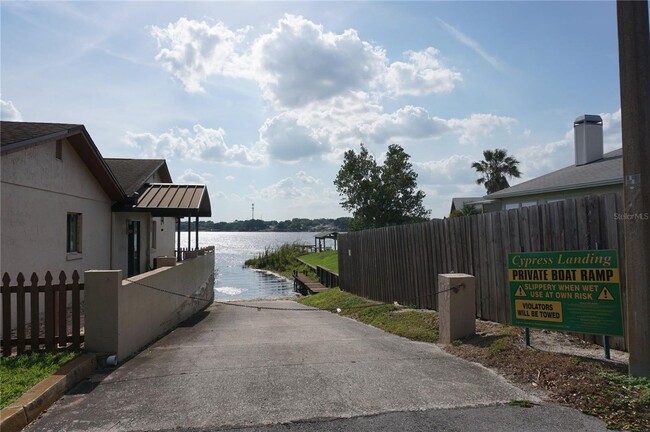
{"x": 566, "y": 369}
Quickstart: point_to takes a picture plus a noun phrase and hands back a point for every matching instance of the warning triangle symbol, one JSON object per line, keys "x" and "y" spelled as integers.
{"x": 520, "y": 292}
{"x": 605, "y": 295}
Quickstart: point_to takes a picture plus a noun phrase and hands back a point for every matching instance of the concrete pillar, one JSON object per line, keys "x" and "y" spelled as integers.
{"x": 165, "y": 261}
{"x": 456, "y": 306}
{"x": 101, "y": 290}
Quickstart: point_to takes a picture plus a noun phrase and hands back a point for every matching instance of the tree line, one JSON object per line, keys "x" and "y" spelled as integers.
{"x": 289, "y": 225}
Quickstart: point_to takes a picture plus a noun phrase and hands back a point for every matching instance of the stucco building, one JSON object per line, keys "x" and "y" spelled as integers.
{"x": 65, "y": 207}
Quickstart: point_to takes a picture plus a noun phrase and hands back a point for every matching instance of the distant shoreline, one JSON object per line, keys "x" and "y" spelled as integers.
{"x": 258, "y": 225}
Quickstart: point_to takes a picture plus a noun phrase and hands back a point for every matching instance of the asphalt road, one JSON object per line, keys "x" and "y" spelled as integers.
{"x": 246, "y": 369}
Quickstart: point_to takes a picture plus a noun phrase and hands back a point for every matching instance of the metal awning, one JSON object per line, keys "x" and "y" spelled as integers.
{"x": 172, "y": 200}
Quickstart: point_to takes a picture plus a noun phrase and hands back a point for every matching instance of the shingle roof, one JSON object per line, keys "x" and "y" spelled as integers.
{"x": 132, "y": 174}
{"x": 457, "y": 203}
{"x": 21, "y": 132}
{"x": 605, "y": 171}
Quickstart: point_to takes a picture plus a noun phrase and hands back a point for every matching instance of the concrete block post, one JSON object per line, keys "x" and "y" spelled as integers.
{"x": 456, "y": 306}
{"x": 101, "y": 301}
{"x": 165, "y": 261}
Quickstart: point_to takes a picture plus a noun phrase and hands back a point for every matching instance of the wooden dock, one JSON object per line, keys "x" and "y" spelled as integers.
{"x": 305, "y": 285}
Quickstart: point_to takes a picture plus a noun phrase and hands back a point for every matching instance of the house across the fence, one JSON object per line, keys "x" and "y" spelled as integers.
{"x": 593, "y": 172}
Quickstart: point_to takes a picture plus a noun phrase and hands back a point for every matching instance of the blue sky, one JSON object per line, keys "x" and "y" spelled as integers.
{"x": 259, "y": 100}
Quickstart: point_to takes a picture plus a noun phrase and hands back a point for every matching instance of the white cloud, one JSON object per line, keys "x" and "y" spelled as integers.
{"x": 285, "y": 189}
{"x": 190, "y": 177}
{"x": 479, "y": 125}
{"x": 326, "y": 88}
{"x": 541, "y": 159}
{"x": 336, "y": 123}
{"x": 218, "y": 196}
{"x": 297, "y": 62}
{"x": 422, "y": 74}
{"x": 454, "y": 170}
{"x": 285, "y": 139}
{"x": 229, "y": 178}
{"x": 612, "y": 137}
{"x": 300, "y": 195}
{"x": 472, "y": 44}
{"x": 303, "y": 177}
{"x": 406, "y": 123}
{"x": 9, "y": 112}
{"x": 200, "y": 143}
{"x": 193, "y": 50}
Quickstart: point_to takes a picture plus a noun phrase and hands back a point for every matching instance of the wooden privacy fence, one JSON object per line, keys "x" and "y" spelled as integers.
{"x": 48, "y": 328}
{"x": 402, "y": 263}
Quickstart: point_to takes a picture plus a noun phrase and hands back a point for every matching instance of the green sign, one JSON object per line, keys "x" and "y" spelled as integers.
{"x": 577, "y": 291}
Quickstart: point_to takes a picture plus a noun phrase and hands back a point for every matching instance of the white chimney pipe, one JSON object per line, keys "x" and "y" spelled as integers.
{"x": 588, "y": 133}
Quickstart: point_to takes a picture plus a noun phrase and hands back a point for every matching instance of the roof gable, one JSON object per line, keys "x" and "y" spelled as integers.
{"x": 132, "y": 174}
{"x": 457, "y": 203}
{"x": 605, "y": 171}
{"x": 15, "y": 136}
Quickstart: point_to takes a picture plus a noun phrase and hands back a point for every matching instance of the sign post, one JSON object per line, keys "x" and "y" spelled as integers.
{"x": 576, "y": 291}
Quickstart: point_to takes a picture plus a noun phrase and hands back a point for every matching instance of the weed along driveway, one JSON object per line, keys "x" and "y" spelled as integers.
{"x": 236, "y": 367}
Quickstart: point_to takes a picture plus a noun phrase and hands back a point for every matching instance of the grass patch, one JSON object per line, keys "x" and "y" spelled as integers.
{"x": 19, "y": 374}
{"x": 598, "y": 388}
{"x": 412, "y": 324}
{"x": 619, "y": 395}
{"x": 328, "y": 260}
{"x": 281, "y": 260}
{"x": 521, "y": 403}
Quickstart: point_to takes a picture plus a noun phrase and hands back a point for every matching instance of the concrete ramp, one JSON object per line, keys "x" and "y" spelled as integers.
{"x": 241, "y": 366}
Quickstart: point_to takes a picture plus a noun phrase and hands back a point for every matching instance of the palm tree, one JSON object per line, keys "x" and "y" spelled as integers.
{"x": 467, "y": 209}
{"x": 494, "y": 169}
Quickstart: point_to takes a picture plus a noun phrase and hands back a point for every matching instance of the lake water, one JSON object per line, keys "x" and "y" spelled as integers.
{"x": 232, "y": 249}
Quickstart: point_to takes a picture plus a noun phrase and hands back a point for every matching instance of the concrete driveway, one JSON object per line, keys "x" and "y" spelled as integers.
{"x": 300, "y": 369}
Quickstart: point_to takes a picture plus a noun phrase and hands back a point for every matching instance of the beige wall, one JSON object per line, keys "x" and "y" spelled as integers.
{"x": 165, "y": 238}
{"x": 122, "y": 317}
{"x": 165, "y": 229}
{"x": 544, "y": 198}
{"x": 37, "y": 192}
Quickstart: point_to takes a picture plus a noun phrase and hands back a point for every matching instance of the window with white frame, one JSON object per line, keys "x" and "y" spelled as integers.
{"x": 73, "y": 236}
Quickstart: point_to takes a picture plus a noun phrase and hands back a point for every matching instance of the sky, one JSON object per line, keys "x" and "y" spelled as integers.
{"x": 260, "y": 100}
